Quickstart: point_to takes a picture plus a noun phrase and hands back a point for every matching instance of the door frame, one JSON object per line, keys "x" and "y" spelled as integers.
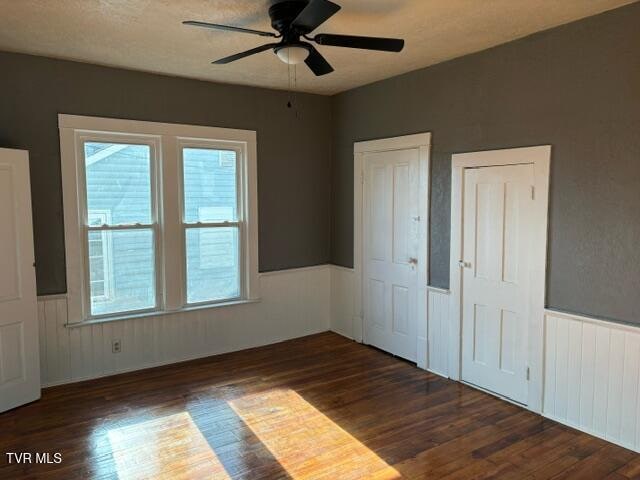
{"x": 422, "y": 143}
{"x": 540, "y": 157}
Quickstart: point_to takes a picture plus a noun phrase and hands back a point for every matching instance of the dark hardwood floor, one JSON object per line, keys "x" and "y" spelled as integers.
{"x": 319, "y": 407}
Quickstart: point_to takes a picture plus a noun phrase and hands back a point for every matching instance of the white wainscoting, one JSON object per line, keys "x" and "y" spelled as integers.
{"x": 294, "y": 303}
{"x": 343, "y": 301}
{"x": 438, "y": 331}
{"x": 592, "y": 377}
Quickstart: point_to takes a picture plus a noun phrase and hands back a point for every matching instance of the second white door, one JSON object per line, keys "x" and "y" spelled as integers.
{"x": 391, "y": 232}
{"x": 497, "y": 234}
{"x": 19, "y": 352}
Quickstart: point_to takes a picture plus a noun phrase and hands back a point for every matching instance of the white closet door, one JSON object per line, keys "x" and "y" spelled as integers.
{"x": 498, "y": 227}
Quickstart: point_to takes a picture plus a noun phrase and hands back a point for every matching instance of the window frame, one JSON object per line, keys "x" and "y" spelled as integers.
{"x": 183, "y": 143}
{"x": 169, "y": 230}
{"x": 153, "y": 142}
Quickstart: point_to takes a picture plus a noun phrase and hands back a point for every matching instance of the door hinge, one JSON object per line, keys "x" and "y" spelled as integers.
{"x": 533, "y": 192}
{"x": 528, "y": 374}
{"x": 362, "y": 178}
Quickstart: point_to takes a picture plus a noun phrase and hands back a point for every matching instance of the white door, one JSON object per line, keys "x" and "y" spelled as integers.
{"x": 19, "y": 356}
{"x": 390, "y": 241}
{"x": 497, "y": 231}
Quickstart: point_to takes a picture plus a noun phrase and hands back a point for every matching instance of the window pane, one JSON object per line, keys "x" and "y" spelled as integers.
{"x": 118, "y": 183}
{"x": 209, "y": 185}
{"x": 213, "y": 271}
{"x": 122, "y": 278}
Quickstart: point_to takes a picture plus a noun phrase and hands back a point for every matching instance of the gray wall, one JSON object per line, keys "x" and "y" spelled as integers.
{"x": 293, "y": 175}
{"x": 576, "y": 87}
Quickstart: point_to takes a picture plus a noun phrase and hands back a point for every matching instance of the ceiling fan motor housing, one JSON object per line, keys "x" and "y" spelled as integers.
{"x": 282, "y": 14}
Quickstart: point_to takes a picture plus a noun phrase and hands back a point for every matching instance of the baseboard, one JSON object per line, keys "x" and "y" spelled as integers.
{"x": 342, "y": 334}
{"x": 163, "y": 363}
{"x": 591, "y": 432}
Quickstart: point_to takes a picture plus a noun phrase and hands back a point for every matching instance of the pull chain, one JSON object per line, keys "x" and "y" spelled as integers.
{"x": 292, "y": 90}
{"x": 289, "y": 104}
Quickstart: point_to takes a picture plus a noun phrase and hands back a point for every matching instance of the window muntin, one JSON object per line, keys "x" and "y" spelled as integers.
{"x": 120, "y": 227}
{"x": 212, "y": 224}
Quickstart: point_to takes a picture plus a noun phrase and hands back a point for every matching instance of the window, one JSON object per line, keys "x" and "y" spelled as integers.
{"x": 211, "y": 224}
{"x": 121, "y": 226}
{"x": 158, "y": 217}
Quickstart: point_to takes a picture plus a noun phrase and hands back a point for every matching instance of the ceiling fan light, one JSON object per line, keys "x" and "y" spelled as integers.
{"x": 293, "y": 55}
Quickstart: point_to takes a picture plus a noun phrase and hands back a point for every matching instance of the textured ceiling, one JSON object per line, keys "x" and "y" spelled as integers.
{"x": 147, "y": 34}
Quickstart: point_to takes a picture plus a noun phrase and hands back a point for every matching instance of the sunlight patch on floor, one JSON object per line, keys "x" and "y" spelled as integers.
{"x": 171, "y": 447}
{"x": 306, "y": 442}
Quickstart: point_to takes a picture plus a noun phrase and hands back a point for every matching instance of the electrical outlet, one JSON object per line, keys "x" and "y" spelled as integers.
{"x": 116, "y": 346}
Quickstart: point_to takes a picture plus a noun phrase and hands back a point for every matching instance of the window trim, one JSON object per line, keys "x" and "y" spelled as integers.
{"x": 167, "y": 194}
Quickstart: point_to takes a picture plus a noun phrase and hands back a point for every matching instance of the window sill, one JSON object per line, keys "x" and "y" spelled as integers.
{"x": 159, "y": 313}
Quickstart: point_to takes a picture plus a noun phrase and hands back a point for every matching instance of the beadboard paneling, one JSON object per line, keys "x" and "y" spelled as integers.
{"x": 294, "y": 303}
{"x": 342, "y": 301}
{"x": 592, "y": 376}
{"x": 438, "y": 331}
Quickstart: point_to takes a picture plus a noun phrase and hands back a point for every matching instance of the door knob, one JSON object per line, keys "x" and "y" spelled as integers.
{"x": 413, "y": 261}
{"x": 464, "y": 264}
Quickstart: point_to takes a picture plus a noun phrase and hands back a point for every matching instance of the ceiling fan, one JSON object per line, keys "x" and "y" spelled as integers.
{"x": 294, "y": 20}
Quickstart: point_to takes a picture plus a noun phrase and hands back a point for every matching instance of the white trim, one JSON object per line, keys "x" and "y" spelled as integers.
{"x": 443, "y": 291}
{"x": 405, "y": 142}
{"x": 421, "y": 142}
{"x": 53, "y": 296}
{"x": 340, "y": 267}
{"x": 160, "y": 313}
{"x": 610, "y": 324}
{"x": 540, "y": 157}
{"x": 164, "y": 140}
{"x": 285, "y": 271}
{"x": 137, "y": 127}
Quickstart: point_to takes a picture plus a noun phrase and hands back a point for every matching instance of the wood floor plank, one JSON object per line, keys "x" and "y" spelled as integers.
{"x": 319, "y": 407}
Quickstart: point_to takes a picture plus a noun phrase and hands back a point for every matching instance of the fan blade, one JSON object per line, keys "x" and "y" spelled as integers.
{"x": 366, "y": 43}
{"x": 317, "y": 63}
{"x": 195, "y": 23}
{"x": 238, "y": 56}
{"x": 315, "y": 14}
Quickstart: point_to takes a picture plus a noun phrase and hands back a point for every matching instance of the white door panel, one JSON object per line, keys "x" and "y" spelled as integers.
{"x": 19, "y": 356}
{"x": 391, "y": 232}
{"x": 497, "y": 231}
